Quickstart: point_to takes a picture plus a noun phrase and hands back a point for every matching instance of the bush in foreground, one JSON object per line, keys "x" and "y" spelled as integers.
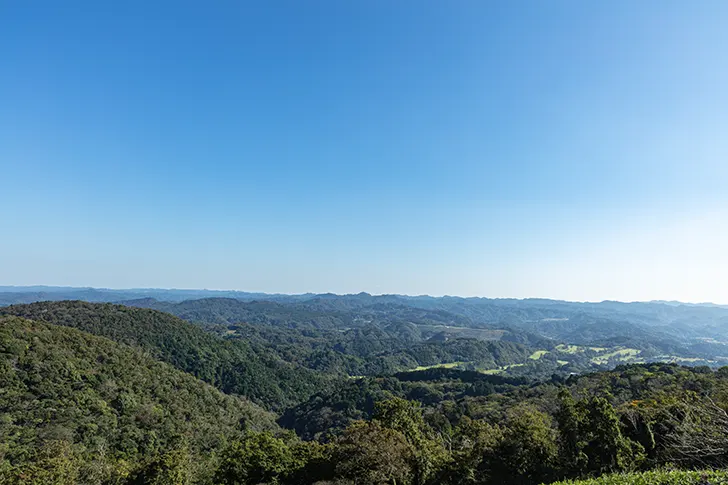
{"x": 658, "y": 477}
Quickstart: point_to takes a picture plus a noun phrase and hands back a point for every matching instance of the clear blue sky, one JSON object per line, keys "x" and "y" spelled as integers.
{"x": 563, "y": 149}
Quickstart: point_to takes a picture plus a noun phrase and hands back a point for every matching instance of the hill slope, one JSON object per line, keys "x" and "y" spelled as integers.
{"x": 381, "y": 340}
{"x": 231, "y": 366}
{"x": 97, "y": 406}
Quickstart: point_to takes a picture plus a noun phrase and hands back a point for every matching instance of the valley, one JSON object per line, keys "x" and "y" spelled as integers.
{"x": 143, "y": 390}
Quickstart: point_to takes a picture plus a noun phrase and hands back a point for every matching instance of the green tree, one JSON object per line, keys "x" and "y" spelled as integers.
{"x": 475, "y": 441}
{"x": 259, "y": 458}
{"x": 527, "y": 453}
{"x": 313, "y": 462}
{"x": 371, "y": 454}
{"x": 572, "y": 424}
{"x": 608, "y": 450}
{"x": 406, "y": 417}
{"x": 56, "y": 463}
{"x": 171, "y": 468}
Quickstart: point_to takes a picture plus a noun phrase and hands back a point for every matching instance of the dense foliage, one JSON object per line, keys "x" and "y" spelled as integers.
{"x": 659, "y": 331}
{"x": 327, "y": 413}
{"x": 267, "y": 361}
{"x": 658, "y": 327}
{"x": 658, "y": 477}
{"x": 576, "y": 430}
{"x": 372, "y": 350}
{"x": 87, "y": 408}
{"x": 232, "y": 366}
{"x": 371, "y": 393}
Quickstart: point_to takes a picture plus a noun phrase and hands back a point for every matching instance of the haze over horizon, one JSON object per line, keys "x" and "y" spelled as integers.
{"x": 225, "y": 291}
{"x": 565, "y": 150}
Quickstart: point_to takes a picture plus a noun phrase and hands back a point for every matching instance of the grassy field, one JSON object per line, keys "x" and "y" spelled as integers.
{"x": 603, "y": 357}
{"x": 569, "y": 349}
{"x": 538, "y": 354}
{"x": 499, "y": 370}
{"x": 687, "y": 359}
{"x": 491, "y": 372}
{"x": 657, "y": 478}
{"x": 465, "y": 332}
{"x": 449, "y": 365}
{"x": 621, "y": 355}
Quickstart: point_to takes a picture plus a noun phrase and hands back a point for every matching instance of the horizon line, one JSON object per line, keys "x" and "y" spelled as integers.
{"x": 217, "y": 290}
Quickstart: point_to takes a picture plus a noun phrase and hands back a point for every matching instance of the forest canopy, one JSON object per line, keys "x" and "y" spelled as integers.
{"x": 105, "y": 393}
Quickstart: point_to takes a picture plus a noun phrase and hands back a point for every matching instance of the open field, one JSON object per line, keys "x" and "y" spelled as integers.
{"x": 623, "y": 355}
{"x": 465, "y": 332}
{"x": 569, "y": 349}
{"x": 448, "y": 365}
{"x": 538, "y": 354}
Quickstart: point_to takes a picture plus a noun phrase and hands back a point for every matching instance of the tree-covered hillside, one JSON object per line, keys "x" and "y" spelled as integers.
{"x": 660, "y": 331}
{"x": 361, "y": 335}
{"x": 372, "y": 350}
{"x": 270, "y": 362}
{"x": 642, "y": 394}
{"x": 77, "y": 408}
{"x": 232, "y": 366}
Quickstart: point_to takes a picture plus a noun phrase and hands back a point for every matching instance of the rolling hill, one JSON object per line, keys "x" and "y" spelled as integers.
{"x": 85, "y": 407}
{"x": 231, "y": 366}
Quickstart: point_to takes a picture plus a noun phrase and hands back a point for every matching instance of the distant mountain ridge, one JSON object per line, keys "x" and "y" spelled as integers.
{"x": 689, "y": 330}
{"x": 175, "y": 294}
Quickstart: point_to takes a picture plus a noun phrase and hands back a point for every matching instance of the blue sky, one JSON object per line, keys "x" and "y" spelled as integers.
{"x": 565, "y": 149}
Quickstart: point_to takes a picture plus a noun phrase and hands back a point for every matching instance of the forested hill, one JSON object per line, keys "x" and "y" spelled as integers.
{"x": 396, "y": 316}
{"x": 82, "y": 409}
{"x": 77, "y": 408}
{"x": 658, "y": 329}
{"x": 370, "y": 335}
{"x": 652, "y": 389}
{"x": 231, "y": 366}
{"x": 372, "y": 341}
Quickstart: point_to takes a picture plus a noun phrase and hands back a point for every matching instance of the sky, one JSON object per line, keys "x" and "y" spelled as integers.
{"x": 563, "y": 149}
